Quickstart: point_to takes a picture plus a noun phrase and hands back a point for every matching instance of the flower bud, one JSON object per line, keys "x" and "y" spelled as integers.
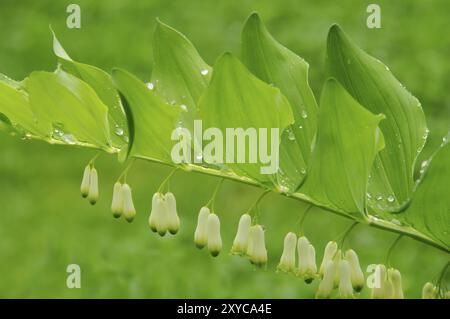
{"x": 161, "y": 215}
{"x": 396, "y": 279}
{"x": 337, "y": 260}
{"x": 345, "y": 282}
{"x": 388, "y": 291}
{"x": 173, "y": 219}
{"x": 381, "y": 280}
{"x": 240, "y": 242}
{"x": 151, "y": 218}
{"x": 93, "y": 186}
{"x": 256, "y": 249}
{"x": 306, "y": 260}
{"x": 201, "y": 234}
{"x": 85, "y": 182}
{"x": 117, "y": 200}
{"x": 330, "y": 251}
{"x": 327, "y": 284}
{"x": 287, "y": 261}
{"x": 128, "y": 207}
{"x": 356, "y": 274}
{"x": 429, "y": 291}
{"x": 214, "y": 239}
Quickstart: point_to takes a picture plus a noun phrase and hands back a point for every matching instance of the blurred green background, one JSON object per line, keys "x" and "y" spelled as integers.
{"x": 45, "y": 225}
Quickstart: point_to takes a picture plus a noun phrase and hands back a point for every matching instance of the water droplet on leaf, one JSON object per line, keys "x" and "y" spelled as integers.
{"x": 304, "y": 114}
{"x": 119, "y": 131}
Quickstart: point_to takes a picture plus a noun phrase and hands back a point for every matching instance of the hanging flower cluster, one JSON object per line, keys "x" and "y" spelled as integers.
{"x": 207, "y": 232}
{"x": 430, "y": 291}
{"x": 307, "y": 269}
{"x": 338, "y": 271}
{"x": 163, "y": 216}
{"x": 388, "y": 284}
{"x": 341, "y": 271}
{"x": 122, "y": 202}
{"x": 89, "y": 184}
{"x": 250, "y": 241}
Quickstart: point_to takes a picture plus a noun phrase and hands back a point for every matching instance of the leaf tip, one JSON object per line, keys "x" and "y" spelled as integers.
{"x": 335, "y": 32}
{"x": 254, "y": 18}
{"x": 58, "y": 49}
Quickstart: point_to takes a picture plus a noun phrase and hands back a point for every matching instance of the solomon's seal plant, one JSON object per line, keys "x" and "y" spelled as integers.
{"x": 353, "y": 153}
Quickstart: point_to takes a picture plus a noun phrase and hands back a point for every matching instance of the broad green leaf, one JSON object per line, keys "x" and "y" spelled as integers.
{"x": 179, "y": 75}
{"x": 14, "y": 105}
{"x": 429, "y": 211}
{"x": 237, "y": 99}
{"x": 372, "y": 84}
{"x": 152, "y": 121}
{"x": 68, "y": 109}
{"x": 277, "y": 65}
{"x": 102, "y": 84}
{"x": 348, "y": 139}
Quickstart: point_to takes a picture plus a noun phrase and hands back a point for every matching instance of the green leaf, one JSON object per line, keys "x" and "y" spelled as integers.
{"x": 237, "y": 99}
{"x": 372, "y": 84}
{"x": 348, "y": 139}
{"x": 277, "y": 65}
{"x": 101, "y": 82}
{"x": 68, "y": 109}
{"x": 179, "y": 76}
{"x": 429, "y": 211}
{"x": 14, "y": 105}
{"x": 152, "y": 121}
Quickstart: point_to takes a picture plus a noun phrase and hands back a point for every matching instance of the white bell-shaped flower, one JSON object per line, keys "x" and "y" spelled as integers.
{"x": 172, "y": 215}
{"x": 151, "y": 218}
{"x": 396, "y": 279}
{"x": 356, "y": 274}
{"x": 84, "y": 188}
{"x": 330, "y": 251}
{"x": 429, "y": 291}
{"x": 93, "y": 186}
{"x": 117, "y": 200}
{"x": 326, "y": 286}
{"x": 388, "y": 291}
{"x": 345, "y": 282}
{"x": 378, "y": 291}
{"x": 287, "y": 261}
{"x": 256, "y": 249}
{"x": 337, "y": 260}
{"x": 214, "y": 238}
{"x": 128, "y": 207}
{"x": 161, "y": 216}
{"x": 240, "y": 242}
{"x": 201, "y": 234}
{"x": 306, "y": 260}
